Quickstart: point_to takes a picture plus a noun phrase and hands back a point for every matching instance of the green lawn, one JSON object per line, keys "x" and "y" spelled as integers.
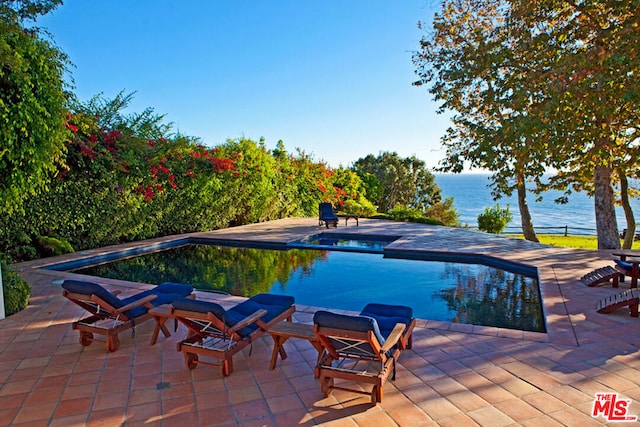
{"x": 580, "y": 242}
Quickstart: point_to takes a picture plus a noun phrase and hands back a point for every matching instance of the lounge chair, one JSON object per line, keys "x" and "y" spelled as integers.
{"x": 629, "y": 268}
{"x": 602, "y": 275}
{"x": 219, "y": 333}
{"x": 327, "y": 215}
{"x": 628, "y": 298}
{"x": 111, "y": 315}
{"x": 361, "y": 348}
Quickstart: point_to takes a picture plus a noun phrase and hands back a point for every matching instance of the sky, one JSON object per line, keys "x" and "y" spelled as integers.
{"x": 332, "y": 78}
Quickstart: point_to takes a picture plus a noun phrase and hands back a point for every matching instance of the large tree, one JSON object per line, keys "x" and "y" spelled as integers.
{"x": 540, "y": 83}
{"x": 471, "y": 66}
{"x": 32, "y": 103}
{"x": 393, "y": 181}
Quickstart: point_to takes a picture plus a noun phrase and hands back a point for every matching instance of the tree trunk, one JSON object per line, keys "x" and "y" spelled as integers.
{"x": 628, "y": 212}
{"x": 525, "y": 215}
{"x": 606, "y": 226}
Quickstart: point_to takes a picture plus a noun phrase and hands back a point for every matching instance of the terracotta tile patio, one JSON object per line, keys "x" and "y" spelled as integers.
{"x": 455, "y": 375}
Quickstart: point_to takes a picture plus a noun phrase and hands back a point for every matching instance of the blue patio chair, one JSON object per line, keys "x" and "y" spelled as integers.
{"x": 362, "y": 348}
{"x": 327, "y": 215}
{"x": 111, "y": 315}
{"x": 219, "y": 333}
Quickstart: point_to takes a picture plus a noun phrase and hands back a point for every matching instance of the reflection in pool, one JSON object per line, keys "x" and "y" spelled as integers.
{"x": 445, "y": 291}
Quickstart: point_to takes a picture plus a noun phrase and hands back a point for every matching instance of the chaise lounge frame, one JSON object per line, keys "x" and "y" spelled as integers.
{"x": 362, "y": 359}
{"x": 209, "y": 336}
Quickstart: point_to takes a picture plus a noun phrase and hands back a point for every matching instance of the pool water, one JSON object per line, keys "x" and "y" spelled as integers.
{"x": 342, "y": 241}
{"x": 445, "y": 291}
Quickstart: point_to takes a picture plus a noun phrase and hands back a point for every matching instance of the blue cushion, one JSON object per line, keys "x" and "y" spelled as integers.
{"x": 174, "y": 288}
{"x": 165, "y": 292}
{"x": 624, "y": 265}
{"x": 353, "y": 323}
{"x": 274, "y": 304}
{"x": 89, "y": 288}
{"x": 199, "y": 306}
{"x": 388, "y": 316}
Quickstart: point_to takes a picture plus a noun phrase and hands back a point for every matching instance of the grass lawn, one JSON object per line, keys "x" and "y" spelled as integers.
{"x": 580, "y": 242}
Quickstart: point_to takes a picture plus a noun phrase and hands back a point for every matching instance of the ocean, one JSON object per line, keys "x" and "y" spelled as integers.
{"x": 471, "y": 195}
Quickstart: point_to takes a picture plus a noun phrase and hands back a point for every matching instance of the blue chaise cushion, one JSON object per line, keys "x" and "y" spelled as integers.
{"x": 388, "y": 315}
{"x": 166, "y": 293}
{"x": 627, "y": 266}
{"x": 199, "y": 306}
{"x": 89, "y": 288}
{"x": 327, "y": 319}
{"x": 274, "y": 304}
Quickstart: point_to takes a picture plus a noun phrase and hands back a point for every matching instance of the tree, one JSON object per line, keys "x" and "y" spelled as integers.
{"x": 392, "y": 181}
{"x": 593, "y": 94}
{"x": 538, "y": 84}
{"x": 473, "y": 68}
{"x": 32, "y": 103}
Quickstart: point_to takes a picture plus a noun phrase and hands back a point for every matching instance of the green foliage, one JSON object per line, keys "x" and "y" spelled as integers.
{"x": 127, "y": 177}
{"x": 404, "y": 213}
{"x": 32, "y": 105}
{"x": 563, "y": 96}
{"x": 444, "y": 212}
{"x": 392, "y": 181}
{"x": 362, "y": 208}
{"x": 494, "y": 219}
{"x": 54, "y": 246}
{"x": 577, "y": 242}
{"x": 26, "y": 9}
{"x": 15, "y": 289}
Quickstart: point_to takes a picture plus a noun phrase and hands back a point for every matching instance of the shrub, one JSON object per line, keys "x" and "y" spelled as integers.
{"x": 54, "y": 246}
{"x": 361, "y": 208}
{"x": 444, "y": 212}
{"x": 405, "y": 213}
{"x": 16, "y": 291}
{"x": 494, "y": 219}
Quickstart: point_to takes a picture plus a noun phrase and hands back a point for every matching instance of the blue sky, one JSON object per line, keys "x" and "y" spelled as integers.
{"x": 332, "y": 78}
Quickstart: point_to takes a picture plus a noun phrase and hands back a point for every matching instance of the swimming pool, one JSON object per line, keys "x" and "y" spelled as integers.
{"x": 346, "y": 242}
{"x": 347, "y": 280}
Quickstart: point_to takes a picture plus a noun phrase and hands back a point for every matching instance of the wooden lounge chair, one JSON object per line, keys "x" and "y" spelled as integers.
{"x": 356, "y": 348}
{"x": 327, "y": 215}
{"x": 629, "y": 298}
{"x": 219, "y": 333}
{"x": 111, "y": 315}
{"x": 629, "y": 267}
{"x": 602, "y": 275}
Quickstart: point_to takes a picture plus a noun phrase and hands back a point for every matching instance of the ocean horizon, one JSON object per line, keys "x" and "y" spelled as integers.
{"x": 471, "y": 194}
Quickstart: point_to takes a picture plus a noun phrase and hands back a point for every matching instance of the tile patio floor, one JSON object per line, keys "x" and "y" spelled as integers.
{"x": 455, "y": 375}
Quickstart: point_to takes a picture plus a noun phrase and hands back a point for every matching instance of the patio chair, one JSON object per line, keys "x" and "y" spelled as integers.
{"x": 629, "y": 268}
{"x": 360, "y": 349}
{"x": 111, "y": 315}
{"x": 327, "y": 215}
{"x": 220, "y": 334}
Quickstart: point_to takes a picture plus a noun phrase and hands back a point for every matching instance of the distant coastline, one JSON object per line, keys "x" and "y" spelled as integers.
{"x": 471, "y": 195}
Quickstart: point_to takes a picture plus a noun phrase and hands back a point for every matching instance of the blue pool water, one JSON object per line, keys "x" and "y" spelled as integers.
{"x": 445, "y": 291}
{"x": 347, "y": 242}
